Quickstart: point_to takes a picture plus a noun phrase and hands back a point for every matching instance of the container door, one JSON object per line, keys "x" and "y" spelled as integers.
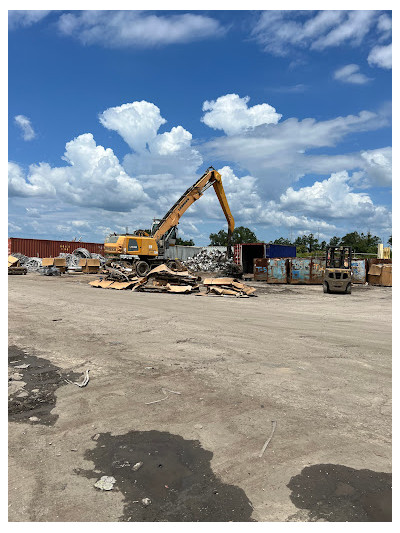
{"x": 261, "y": 269}
{"x": 317, "y": 271}
{"x": 300, "y": 269}
{"x": 277, "y": 271}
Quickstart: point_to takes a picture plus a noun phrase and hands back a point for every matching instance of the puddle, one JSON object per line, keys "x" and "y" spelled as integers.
{"x": 337, "y": 493}
{"x": 176, "y": 475}
{"x": 39, "y": 381}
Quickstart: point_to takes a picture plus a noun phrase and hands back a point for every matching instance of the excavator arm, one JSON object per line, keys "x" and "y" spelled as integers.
{"x": 210, "y": 178}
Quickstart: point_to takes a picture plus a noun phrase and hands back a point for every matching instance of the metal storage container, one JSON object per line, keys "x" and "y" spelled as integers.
{"x": 244, "y": 254}
{"x": 279, "y": 250}
{"x": 48, "y": 248}
{"x": 305, "y": 270}
{"x": 270, "y": 270}
{"x": 359, "y": 269}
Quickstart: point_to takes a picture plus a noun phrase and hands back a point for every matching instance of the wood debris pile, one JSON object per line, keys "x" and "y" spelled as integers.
{"x": 228, "y": 287}
{"x": 159, "y": 279}
{"x": 163, "y": 279}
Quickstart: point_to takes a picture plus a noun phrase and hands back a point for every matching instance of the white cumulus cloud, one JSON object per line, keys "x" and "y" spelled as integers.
{"x": 231, "y": 114}
{"x": 381, "y": 56}
{"x": 92, "y": 178}
{"x": 121, "y": 29}
{"x": 351, "y": 74}
{"x": 25, "y": 18}
{"x": 280, "y": 154}
{"x": 136, "y": 122}
{"x": 333, "y": 199}
{"x": 28, "y": 133}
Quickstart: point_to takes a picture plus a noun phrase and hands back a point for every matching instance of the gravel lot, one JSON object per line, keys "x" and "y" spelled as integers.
{"x": 319, "y": 365}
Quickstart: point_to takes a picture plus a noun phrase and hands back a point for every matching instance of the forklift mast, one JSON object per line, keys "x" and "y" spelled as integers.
{"x": 338, "y": 257}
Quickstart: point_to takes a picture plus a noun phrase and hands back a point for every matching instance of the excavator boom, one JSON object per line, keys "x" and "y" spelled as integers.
{"x": 210, "y": 177}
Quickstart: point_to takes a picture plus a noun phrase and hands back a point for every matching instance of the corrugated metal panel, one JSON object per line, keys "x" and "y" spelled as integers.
{"x": 182, "y": 252}
{"x": 237, "y": 254}
{"x": 215, "y": 248}
{"x": 359, "y": 269}
{"x": 48, "y": 248}
{"x": 279, "y": 250}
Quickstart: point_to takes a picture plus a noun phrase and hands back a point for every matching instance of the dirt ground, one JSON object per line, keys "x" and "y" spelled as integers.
{"x": 318, "y": 365}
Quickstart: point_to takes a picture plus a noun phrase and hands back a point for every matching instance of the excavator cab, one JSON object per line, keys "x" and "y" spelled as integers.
{"x": 338, "y": 273}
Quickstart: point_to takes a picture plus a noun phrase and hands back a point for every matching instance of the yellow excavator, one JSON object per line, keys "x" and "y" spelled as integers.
{"x": 143, "y": 250}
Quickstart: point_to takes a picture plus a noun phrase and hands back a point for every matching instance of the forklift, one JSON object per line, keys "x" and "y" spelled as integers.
{"x": 338, "y": 273}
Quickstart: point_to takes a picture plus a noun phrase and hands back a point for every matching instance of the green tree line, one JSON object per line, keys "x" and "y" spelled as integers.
{"x": 360, "y": 242}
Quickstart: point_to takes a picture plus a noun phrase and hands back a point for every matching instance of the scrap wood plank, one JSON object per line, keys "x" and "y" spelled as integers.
{"x": 104, "y": 284}
{"x": 179, "y": 288}
{"x": 121, "y": 285}
{"x": 219, "y": 281}
{"x": 95, "y": 283}
{"x": 222, "y": 291}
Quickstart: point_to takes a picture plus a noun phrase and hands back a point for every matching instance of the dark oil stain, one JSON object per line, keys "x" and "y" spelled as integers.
{"x": 176, "y": 475}
{"x": 337, "y": 493}
{"x": 41, "y": 379}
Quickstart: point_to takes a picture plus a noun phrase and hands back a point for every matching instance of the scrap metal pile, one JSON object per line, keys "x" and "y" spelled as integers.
{"x": 212, "y": 261}
{"x": 14, "y": 266}
{"x": 78, "y": 254}
{"x": 32, "y": 264}
{"x": 163, "y": 279}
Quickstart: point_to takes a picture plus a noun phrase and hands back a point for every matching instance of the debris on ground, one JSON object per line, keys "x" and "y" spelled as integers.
{"x": 163, "y": 279}
{"x": 159, "y": 279}
{"x": 72, "y": 261}
{"x": 164, "y": 391}
{"x": 32, "y": 264}
{"x": 14, "y": 266}
{"x": 213, "y": 261}
{"x": 84, "y": 382}
{"x": 136, "y": 466}
{"x": 105, "y": 483}
{"x": 269, "y": 438}
{"x": 49, "y": 271}
{"x": 228, "y": 287}
{"x": 146, "y": 501}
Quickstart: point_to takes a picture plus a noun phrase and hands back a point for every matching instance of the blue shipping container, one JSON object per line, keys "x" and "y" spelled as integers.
{"x": 279, "y": 250}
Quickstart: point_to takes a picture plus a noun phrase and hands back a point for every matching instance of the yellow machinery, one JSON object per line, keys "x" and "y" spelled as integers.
{"x": 144, "y": 251}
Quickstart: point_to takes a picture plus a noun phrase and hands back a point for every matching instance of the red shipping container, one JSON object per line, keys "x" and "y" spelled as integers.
{"x": 46, "y": 248}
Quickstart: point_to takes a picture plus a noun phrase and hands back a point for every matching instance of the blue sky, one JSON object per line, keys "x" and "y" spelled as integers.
{"x": 113, "y": 115}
